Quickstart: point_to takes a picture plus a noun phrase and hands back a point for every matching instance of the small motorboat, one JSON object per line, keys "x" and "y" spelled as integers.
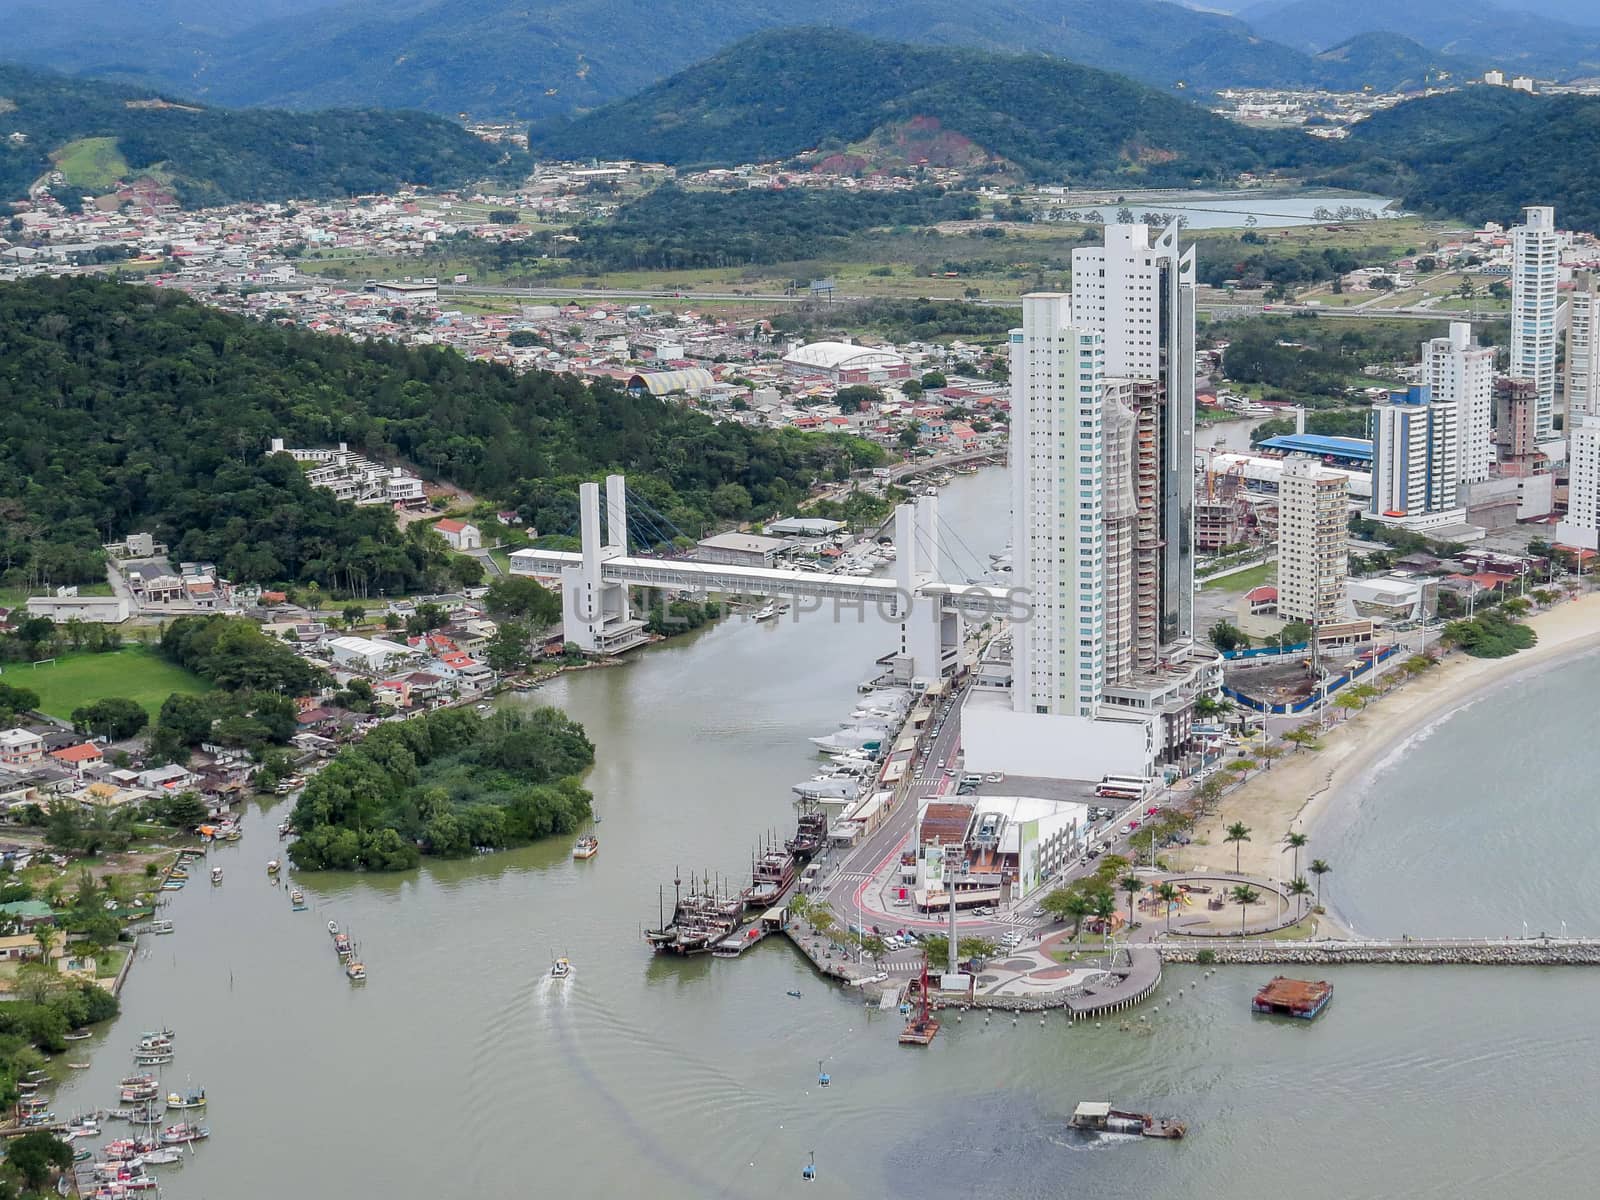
{"x": 194, "y": 1098}
{"x": 78, "y": 1066}
{"x": 356, "y": 971}
{"x": 273, "y": 866}
{"x": 333, "y": 929}
{"x": 165, "y": 1156}
{"x": 159, "y": 927}
{"x": 285, "y": 829}
{"x": 795, "y": 992}
{"x": 560, "y": 969}
{"x": 152, "y": 1060}
{"x": 79, "y": 1036}
{"x": 586, "y": 847}
{"x": 216, "y": 874}
{"x": 298, "y": 899}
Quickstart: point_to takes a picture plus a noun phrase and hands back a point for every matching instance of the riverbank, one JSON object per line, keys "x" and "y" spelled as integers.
{"x": 1306, "y": 785}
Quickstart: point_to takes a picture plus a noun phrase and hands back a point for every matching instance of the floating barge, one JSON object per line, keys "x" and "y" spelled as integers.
{"x": 923, "y": 1026}
{"x": 1097, "y": 1116}
{"x": 1285, "y": 997}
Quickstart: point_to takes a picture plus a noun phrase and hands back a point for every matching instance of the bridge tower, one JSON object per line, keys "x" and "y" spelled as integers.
{"x": 930, "y": 638}
{"x": 594, "y": 613}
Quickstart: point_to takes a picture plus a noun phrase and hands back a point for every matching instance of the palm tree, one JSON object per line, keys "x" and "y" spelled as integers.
{"x": 1238, "y": 833}
{"x": 1133, "y": 885}
{"x": 1299, "y": 889}
{"x": 45, "y": 935}
{"x": 1104, "y": 905}
{"x": 1168, "y": 894}
{"x": 1294, "y": 841}
{"x": 1077, "y": 905}
{"x": 1244, "y": 896}
{"x": 1319, "y": 868}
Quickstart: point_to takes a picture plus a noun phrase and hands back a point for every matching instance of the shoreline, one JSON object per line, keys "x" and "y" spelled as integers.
{"x": 1305, "y": 788}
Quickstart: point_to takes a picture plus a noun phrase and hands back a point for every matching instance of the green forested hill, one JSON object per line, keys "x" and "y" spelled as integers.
{"x": 128, "y": 408}
{"x": 777, "y": 94}
{"x": 1483, "y": 154}
{"x": 99, "y": 133}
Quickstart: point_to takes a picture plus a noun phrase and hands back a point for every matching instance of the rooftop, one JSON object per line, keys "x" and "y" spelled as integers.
{"x": 1317, "y": 443}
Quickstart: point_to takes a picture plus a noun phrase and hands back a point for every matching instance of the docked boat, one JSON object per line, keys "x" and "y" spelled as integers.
{"x": 560, "y": 969}
{"x": 154, "y": 1041}
{"x": 285, "y": 830}
{"x": 1097, "y": 1116}
{"x": 139, "y": 1093}
{"x": 77, "y": 1035}
{"x": 770, "y": 876}
{"x": 153, "y": 1058}
{"x": 167, "y": 1034}
{"x": 357, "y": 972}
{"x": 766, "y": 612}
{"x": 586, "y": 847}
{"x": 864, "y": 737}
{"x": 810, "y": 836}
{"x": 184, "y": 1131}
{"x": 829, "y": 787}
{"x": 77, "y": 1066}
{"x": 216, "y": 874}
{"x": 701, "y": 918}
{"x": 194, "y": 1098}
{"x": 1303, "y": 998}
{"x": 298, "y": 899}
{"x": 161, "y": 1157}
{"x": 273, "y": 866}
{"x": 160, "y": 927}
{"x": 176, "y": 885}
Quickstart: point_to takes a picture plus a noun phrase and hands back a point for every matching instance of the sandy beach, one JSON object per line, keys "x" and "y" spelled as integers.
{"x": 1305, "y": 785}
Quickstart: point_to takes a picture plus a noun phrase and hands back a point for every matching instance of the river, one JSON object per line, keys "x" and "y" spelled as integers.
{"x": 461, "y": 1069}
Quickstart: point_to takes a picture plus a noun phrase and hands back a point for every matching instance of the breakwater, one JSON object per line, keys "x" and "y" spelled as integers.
{"x": 1510, "y": 952}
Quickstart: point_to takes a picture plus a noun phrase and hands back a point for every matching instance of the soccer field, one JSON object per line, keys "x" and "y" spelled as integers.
{"x": 134, "y": 672}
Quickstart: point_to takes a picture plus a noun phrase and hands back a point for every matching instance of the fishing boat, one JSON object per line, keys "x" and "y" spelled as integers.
{"x": 586, "y": 847}
{"x": 298, "y": 899}
{"x": 150, "y": 1034}
{"x": 560, "y": 969}
{"x": 356, "y": 971}
{"x": 193, "y": 1098}
{"x": 82, "y": 1156}
{"x": 1097, "y": 1116}
{"x": 216, "y": 874}
{"x": 184, "y": 1131}
{"x": 135, "y": 1095}
{"x": 154, "y": 1041}
{"x": 273, "y": 866}
{"x": 342, "y": 946}
{"x": 161, "y": 1157}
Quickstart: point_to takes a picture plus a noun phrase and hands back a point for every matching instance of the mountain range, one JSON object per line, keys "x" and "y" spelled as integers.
{"x": 99, "y": 134}
{"x": 856, "y": 100}
{"x": 539, "y": 58}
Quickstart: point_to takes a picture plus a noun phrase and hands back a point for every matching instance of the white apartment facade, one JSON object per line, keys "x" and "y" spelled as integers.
{"x": 1415, "y": 461}
{"x": 1583, "y": 349}
{"x": 1535, "y": 277}
{"x": 1313, "y": 556}
{"x": 1058, "y": 551}
{"x": 1459, "y": 373}
{"x": 1581, "y": 526}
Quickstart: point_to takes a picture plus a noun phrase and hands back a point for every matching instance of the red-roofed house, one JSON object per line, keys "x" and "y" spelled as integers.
{"x": 460, "y": 534}
{"x": 79, "y": 757}
{"x": 1262, "y": 599}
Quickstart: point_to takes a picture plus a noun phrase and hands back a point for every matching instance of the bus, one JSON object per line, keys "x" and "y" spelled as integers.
{"x": 1125, "y": 787}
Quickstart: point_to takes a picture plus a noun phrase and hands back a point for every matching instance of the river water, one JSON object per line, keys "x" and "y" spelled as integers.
{"x": 460, "y": 1069}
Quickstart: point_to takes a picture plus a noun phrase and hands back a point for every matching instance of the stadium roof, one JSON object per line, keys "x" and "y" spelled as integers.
{"x": 1358, "y": 449}
{"x": 835, "y": 356}
{"x": 693, "y": 380}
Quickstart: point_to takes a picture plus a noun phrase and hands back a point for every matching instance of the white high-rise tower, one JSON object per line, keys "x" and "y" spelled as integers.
{"x": 1535, "y": 274}
{"x": 1583, "y": 349}
{"x": 1459, "y": 373}
{"x": 1057, "y": 547}
{"x": 1141, "y": 296}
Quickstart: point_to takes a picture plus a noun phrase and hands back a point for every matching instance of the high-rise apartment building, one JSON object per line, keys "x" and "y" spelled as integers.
{"x": 1058, "y": 505}
{"x": 1583, "y": 349}
{"x": 1415, "y": 460}
{"x": 1141, "y": 297}
{"x": 1581, "y": 526}
{"x": 1313, "y": 539}
{"x": 1459, "y": 373}
{"x": 1535, "y": 276}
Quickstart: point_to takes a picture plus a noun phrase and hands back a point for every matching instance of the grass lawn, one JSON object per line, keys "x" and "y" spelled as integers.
{"x": 134, "y": 672}
{"x": 1242, "y": 581}
{"x": 93, "y": 163}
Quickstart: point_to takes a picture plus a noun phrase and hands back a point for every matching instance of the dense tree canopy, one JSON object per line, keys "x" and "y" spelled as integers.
{"x": 129, "y": 408}
{"x": 447, "y": 781}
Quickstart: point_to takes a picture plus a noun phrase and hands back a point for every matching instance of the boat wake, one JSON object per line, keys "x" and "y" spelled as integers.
{"x": 551, "y": 989}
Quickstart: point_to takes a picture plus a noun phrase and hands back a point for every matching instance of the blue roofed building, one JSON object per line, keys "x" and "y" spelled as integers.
{"x": 1338, "y": 451}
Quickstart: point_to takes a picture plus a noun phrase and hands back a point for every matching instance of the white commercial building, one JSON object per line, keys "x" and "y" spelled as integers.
{"x": 1581, "y": 526}
{"x": 1583, "y": 349}
{"x": 1415, "y": 463}
{"x": 846, "y": 363}
{"x": 1535, "y": 276}
{"x": 1057, "y": 454}
{"x": 1313, "y": 556}
{"x": 370, "y": 654}
{"x": 1459, "y": 373}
